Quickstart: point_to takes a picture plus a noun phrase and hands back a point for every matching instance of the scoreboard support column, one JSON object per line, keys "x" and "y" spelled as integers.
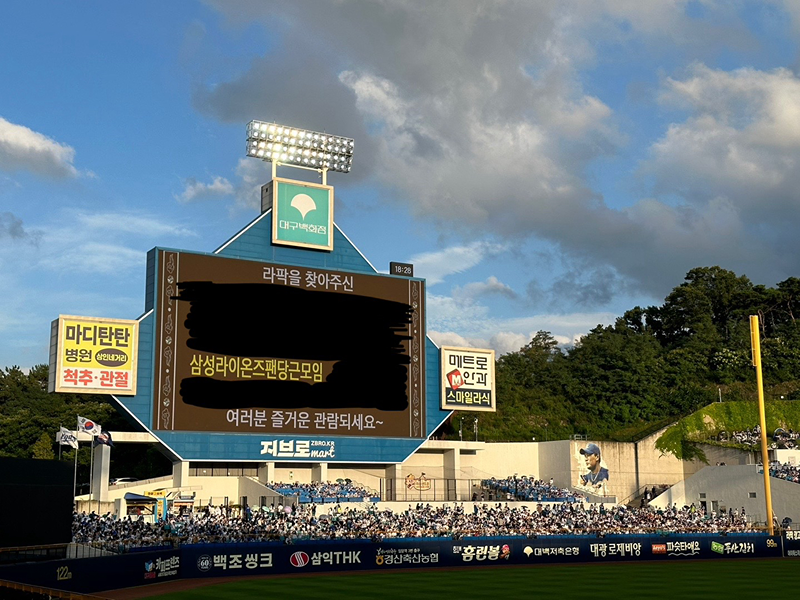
{"x": 394, "y": 474}
{"x": 452, "y": 463}
{"x": 101, "y": 466}
{"x": 319, "y": 472}
{"x": 180, "y": 473}
{"x": 266, "y": 472}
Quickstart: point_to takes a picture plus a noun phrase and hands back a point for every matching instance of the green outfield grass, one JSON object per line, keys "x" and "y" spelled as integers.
{"x": 730, "y": 579}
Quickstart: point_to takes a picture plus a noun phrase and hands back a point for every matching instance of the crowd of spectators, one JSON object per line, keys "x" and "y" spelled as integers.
{"x": 341, "y": 490}
{"x": 783, "y": 438}
{"x": 300, "y": 523}
{"x": 780, "y": 439}
{"x": 783, "y": 471}
{"x": 530, "y": 489}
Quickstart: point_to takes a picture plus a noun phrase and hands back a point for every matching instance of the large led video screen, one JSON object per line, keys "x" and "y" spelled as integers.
{"x": 252, "y": 347}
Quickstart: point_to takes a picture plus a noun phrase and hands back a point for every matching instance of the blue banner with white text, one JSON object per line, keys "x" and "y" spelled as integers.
{"x": 225, "y": 560}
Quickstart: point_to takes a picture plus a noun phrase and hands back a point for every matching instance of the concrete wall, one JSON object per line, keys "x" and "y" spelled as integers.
{"x": 367, "y": 476}
{"x": 425, "y": 461}
{"x": 554, "y": 461}
{"x": 501, "y": 460}
{"x": 634, "y": 466}
{"x": 791, "y": 457}
{"x": 658, "y": 468}
{"x": 735, "y": 486}
{"x": 729, "y": 456}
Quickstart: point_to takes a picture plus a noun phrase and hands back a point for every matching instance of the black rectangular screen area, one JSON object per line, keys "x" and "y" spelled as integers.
{"x": 246, "y": 346}
{"x": 37, "y": 501}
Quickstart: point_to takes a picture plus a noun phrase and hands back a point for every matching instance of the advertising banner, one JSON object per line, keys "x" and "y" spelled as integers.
{"x": 226, "y": 560}
{"x": 90, "y": 355}
{"x": 98, "y": 573}
{"x": 276, "y": 558}
{"x": 593, "y": 472}
{"x": 468, "y": 379}
{"x": 792, "y": 543}
{"x": 302, "y": 213}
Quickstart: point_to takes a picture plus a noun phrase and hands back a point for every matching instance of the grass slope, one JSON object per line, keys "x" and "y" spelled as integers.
{"x": 680, "y": 439}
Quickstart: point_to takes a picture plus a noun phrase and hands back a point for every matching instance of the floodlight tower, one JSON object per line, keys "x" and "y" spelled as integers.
{"x": 302, "y": 213}
{"x": 299, "y": 148}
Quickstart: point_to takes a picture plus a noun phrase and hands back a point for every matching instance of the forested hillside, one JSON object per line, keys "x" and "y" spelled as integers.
{"x": 653, "y": 365}
{"x": 30, "y": 417}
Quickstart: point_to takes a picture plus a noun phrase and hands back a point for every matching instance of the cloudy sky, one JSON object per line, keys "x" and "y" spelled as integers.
{"x": 545, "y": 164}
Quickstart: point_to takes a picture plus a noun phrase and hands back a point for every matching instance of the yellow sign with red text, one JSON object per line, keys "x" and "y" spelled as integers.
{"x": 90, "y": 355}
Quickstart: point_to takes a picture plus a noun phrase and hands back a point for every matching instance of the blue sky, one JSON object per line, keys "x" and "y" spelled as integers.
{"x": 546, "y": 165}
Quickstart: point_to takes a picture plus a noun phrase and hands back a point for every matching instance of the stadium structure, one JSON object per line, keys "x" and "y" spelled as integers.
{"x": 229, "y": 434}
{"x": 284, "y": 357}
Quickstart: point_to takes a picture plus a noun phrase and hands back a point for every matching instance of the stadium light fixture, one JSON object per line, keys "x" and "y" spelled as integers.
{"x": 301, "y": 148}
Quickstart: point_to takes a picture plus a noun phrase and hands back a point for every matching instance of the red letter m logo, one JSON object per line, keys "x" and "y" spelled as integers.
{"x": 455, "y": 379}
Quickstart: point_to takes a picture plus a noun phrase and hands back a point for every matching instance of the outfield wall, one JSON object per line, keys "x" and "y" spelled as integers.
{"x": 248, "y": 560}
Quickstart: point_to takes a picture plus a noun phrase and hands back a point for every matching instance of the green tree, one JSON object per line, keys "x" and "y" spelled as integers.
{"x": 615, "y": 378}
{"x": 43, "y": 448}
{"x": 29, "y": 414}
{"x": 653, "y": 363}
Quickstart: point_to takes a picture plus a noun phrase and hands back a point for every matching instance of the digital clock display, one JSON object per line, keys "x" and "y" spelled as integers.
{"x": 404, "y": 269}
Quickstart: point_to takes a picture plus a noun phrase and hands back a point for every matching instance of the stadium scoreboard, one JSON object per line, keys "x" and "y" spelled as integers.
{"x": 251, "y": 347}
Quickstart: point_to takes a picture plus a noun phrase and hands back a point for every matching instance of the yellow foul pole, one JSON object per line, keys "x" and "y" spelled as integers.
{"x": 755, "y": 341}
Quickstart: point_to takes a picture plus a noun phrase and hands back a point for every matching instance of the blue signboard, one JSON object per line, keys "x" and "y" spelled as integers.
{"x": 257, "y": 559}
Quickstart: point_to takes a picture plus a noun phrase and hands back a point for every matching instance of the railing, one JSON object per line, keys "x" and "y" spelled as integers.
{"x": 131, "y": 484}
{"x": 29, "y": 591}
{"x": 303, "y": 495}
{"x": 55, "y": 552}
{"x": 32, "y": 553}
{"x": 660, "y": 487}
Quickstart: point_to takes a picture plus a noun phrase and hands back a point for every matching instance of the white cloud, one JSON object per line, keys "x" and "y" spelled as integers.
{"x": 245, "y": 189}
{"x": 491, "y": 287}
{"x": 504, "y": 342}
{"x": 79, "y": 243}
{"x": 22, "y": 149}
{"x": 450, "y": 338}
{"x": 197, "y": 190}
{"x": 741, "y": 140}
{"x": 95, "y": 257}
{"x": 509, "y": 335}
{"x": 461, "y": 320}
{"x": 436, "y": 266}
{"x": 252, "y": 175}
{"x": 141, "y": 225}
{"x": 446, "y": 313}
{"x": 480, "y": 116}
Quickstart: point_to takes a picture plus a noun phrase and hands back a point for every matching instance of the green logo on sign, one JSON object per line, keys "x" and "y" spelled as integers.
{"x": 717, "y": 547}
{"x": 303, "y": 215}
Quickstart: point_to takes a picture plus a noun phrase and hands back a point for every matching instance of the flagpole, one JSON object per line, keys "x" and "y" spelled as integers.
{"x": 75, "y": 475}
{"x": 98, "y": 497}
{"x": 91, "y": 473}
{"x": 59, "y": 442}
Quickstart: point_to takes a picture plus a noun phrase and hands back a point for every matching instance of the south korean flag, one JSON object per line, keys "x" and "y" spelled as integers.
{"x": 89, "y": 426}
